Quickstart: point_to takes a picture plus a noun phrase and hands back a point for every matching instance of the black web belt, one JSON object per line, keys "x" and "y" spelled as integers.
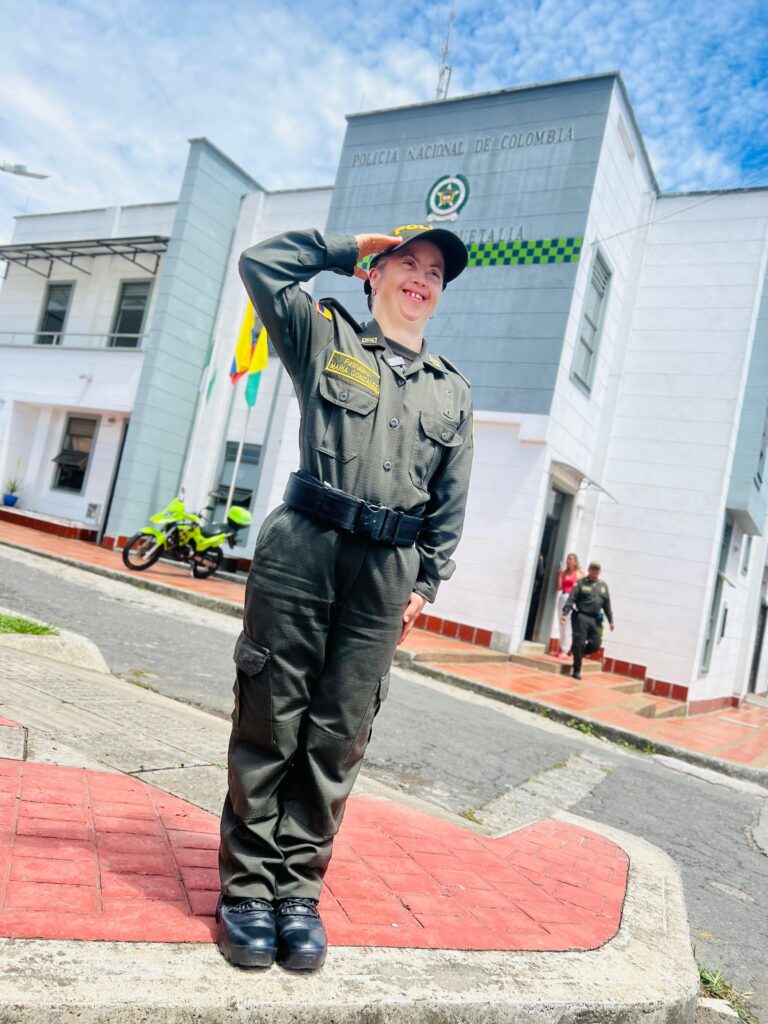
{"x": 336, "y": 508}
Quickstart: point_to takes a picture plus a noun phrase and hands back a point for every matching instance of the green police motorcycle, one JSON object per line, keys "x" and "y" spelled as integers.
{"x": 180, "y": 534}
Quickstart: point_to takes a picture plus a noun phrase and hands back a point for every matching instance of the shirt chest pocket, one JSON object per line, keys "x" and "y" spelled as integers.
{"x": 343, "y": 418}
{"x": 434, "y": 436}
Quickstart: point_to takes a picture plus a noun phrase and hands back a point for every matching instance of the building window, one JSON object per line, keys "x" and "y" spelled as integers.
{"x": 129, "y": 315}
{"x": 72, "y": 460}
{"x": 717, "y": 614}
{"x": 54, "y": 315}
{"x": 585, "y": 359}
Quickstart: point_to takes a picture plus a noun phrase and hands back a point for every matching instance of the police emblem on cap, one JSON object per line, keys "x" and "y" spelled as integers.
{"x": 447, "y": 197}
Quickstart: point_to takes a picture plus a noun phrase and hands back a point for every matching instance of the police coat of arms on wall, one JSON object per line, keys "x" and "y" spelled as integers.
{"x": 446, "y": 197}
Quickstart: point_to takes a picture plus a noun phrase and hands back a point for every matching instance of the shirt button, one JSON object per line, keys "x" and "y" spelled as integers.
{"x": 343, "y": 396}
{"x": 394, "y": 422}
{"x": 387, "y": 465}
{"x": 447, "y": 412}
{"x": 446, "y": 436}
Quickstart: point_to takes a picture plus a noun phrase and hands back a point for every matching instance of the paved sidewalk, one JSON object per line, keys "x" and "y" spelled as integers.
{"x": 430, "y": 918}
{"x": 161, "y": 576}
{"x": 729, "y": 736}
{"x": 98, "y": 855}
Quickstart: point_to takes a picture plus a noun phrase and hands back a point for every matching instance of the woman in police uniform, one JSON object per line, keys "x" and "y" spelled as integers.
{"x": 341, "y": 570}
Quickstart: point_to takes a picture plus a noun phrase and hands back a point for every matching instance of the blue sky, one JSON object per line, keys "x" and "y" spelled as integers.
{"x": 104, "y": 95}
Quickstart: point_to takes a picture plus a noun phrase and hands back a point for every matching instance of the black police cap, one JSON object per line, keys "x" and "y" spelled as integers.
{"x": 455, "y": 255}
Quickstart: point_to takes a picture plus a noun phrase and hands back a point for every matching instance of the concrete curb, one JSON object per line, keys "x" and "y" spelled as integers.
{"x": 69, "y": 647}
{"x": 759, "y": 776}
{"x": 404, "y": 659}
{"x": 646, "y": 972}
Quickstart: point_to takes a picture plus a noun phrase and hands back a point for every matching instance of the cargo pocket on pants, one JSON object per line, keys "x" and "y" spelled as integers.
{"x": 361, "y": 740}
{"x": 252, "y": 717}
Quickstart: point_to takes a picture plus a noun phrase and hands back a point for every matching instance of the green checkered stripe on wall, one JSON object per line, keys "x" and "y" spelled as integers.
{"x": 506, "y": 254}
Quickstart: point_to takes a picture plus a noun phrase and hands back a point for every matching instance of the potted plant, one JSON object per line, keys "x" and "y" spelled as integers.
{"x": 13, "y": 488}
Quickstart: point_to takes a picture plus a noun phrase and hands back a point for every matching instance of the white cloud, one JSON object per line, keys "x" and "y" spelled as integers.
{"x": 104, "y": 97}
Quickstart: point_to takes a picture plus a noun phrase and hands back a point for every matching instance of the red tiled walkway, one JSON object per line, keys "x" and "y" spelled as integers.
{"x": 730, "y": 734}
{"x": 178, "y": 576}
{"x": 98, "y": 855}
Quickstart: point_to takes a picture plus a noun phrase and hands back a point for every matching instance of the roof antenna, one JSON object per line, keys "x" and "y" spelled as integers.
{"x": 444, "y": 74}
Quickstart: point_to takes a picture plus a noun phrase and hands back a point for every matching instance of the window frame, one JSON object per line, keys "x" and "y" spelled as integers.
{"x": 57, "y": 335}
{"x": 113, "y": 333}
{"x": 69, "y": 416}
{"x": 585, "y": 382}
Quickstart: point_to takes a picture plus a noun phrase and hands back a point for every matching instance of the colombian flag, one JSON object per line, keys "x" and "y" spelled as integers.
{"x": 250, "y": 355}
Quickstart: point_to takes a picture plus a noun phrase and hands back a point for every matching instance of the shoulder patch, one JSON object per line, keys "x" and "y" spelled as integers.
{"x": 455, "y": 369}
{"x": 324, "y": 311}
{"x": 331, "y": 305}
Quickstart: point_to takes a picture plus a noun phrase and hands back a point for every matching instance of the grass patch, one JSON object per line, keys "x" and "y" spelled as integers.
{"x": 14, "y": 624}
{"x": 716, "y": 985}
{"x": 471, "y": 815}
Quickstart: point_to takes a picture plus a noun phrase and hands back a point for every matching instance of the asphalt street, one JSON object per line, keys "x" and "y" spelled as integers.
{"x": 471, "y": 755}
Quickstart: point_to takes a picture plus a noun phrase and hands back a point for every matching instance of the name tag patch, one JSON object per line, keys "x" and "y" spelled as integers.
{"x": 349, "y": 368}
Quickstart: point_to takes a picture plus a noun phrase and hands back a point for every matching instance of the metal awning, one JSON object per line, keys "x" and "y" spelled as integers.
{"x": 23, "y": 254}
{"x": 583, "y": 480}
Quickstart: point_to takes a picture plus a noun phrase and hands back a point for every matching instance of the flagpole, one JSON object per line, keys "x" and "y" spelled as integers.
{"x": 268, "y": 431}
{"x": 238, "y": 459}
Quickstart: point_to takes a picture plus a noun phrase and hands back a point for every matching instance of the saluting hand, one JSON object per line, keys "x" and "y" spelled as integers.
{"x": 369, "y": 245}
{"x": 412, "y": 611}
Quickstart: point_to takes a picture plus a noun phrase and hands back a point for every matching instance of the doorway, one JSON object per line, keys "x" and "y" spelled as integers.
{"x": 758, "y": 651}
{"x": 543, "y": 596}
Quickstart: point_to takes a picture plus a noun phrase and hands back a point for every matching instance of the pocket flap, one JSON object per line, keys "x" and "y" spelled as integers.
{"x": 348, "y": 395}
{"x": 440, "y": 430}
{"x": 250, "y": 657}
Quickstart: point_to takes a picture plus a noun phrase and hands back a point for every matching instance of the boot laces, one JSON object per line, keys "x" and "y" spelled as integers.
{"x": 294, "y": 903}
{"x": 249, "y": 906}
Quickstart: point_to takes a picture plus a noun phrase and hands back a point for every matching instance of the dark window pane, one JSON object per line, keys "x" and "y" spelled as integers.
{"x": 129, "y": 316}
{"x": 72, "y": 460}
{"x": 54, "y": 314}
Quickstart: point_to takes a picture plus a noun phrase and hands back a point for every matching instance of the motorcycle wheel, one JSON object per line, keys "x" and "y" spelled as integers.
{"x": 141, "y": 551}
{"x": 212, "y": 560}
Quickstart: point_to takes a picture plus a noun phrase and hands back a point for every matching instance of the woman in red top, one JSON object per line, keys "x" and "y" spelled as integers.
{"x": 566, "y": 579}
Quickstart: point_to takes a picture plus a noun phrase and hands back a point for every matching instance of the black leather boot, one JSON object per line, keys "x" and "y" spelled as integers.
{"x": 301, "y": 939}
{"x": 246, "y": 933}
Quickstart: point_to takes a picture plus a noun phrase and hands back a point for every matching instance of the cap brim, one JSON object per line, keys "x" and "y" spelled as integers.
{"x": 455, "y": 255}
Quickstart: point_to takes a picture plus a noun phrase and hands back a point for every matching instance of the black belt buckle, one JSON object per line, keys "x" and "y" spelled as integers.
{"x": 371, "y": 519}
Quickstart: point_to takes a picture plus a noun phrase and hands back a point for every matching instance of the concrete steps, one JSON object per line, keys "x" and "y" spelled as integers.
{"x": 648, "y": 706}
{"x": 546, "y": 663}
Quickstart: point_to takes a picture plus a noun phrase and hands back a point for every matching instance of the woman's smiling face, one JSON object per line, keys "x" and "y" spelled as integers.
{"x": 408, "y": 282}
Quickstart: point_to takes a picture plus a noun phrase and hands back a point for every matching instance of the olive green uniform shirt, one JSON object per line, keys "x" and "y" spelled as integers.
{"x": 391, "y": 435}
{"x": 590, "y": 597}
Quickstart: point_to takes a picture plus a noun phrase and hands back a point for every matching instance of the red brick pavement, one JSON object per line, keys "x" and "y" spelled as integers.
{"x": 99, "y": 855}
{"x": 730, "y": 734}
{"x": 178, "y": 576}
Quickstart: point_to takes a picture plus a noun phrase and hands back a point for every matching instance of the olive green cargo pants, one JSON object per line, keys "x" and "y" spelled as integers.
{"x": 323, "y": 613}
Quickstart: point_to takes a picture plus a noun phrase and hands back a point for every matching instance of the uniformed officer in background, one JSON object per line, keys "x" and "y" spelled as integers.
{"x": 341, "y": 570}
{"x": 589, "y": 600}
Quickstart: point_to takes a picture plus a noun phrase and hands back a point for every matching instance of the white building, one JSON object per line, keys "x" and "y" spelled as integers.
{"x": 616, "y": 338}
